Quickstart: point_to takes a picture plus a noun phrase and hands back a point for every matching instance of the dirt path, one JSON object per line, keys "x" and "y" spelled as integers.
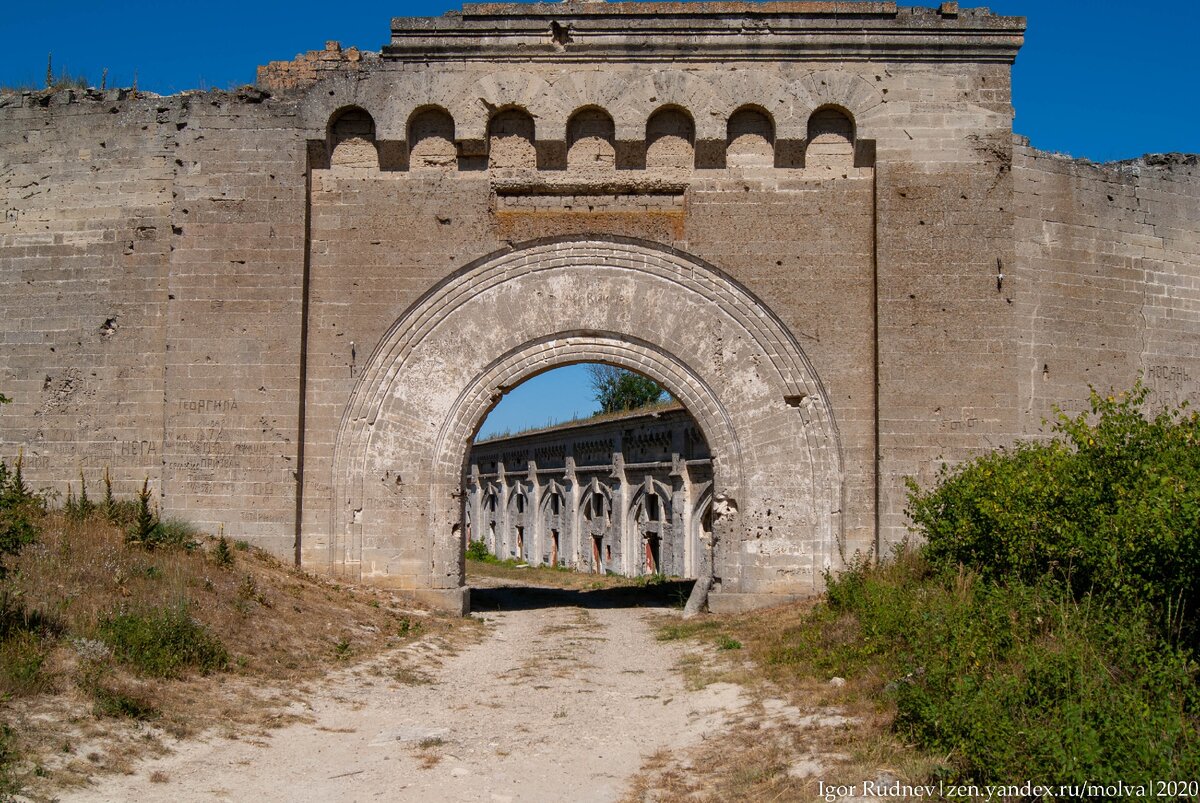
{"x": 562, "y": 700}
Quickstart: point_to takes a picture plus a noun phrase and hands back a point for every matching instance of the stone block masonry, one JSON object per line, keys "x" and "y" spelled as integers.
{"x": 291, "y": 306}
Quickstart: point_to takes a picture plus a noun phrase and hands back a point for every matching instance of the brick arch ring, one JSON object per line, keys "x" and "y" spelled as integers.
{"x": 401, "y": 449}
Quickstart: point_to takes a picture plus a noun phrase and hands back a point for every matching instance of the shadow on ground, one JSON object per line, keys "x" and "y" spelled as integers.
{"x": 511, "y": 596}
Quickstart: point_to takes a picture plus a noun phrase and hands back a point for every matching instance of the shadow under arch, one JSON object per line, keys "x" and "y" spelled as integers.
{"x": 401, "y": 448}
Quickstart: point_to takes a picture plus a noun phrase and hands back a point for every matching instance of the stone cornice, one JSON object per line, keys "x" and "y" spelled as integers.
{"x": 682, "y": 32}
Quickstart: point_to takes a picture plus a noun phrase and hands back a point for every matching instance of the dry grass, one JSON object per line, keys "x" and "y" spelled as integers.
{"x": 427, "y": 752}
{"x": 797, "y": 731}
{"x": 279, "y": 626}
{"x": 274, "y": 618}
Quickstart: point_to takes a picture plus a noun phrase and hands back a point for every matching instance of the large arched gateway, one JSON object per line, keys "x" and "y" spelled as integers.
{"x": 401, "y": 448}
{"x": 257, "y": 299}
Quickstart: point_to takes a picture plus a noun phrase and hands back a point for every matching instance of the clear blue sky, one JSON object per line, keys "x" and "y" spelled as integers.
{"x": 550, "y": 398}
{"x": 1096, "y": 78}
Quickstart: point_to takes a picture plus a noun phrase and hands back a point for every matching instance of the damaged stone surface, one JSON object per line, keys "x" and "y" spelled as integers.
{"x": 809, "y": 221}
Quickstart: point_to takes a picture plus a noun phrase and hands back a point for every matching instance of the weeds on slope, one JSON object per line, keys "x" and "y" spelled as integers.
{"x": 109, "y": 615}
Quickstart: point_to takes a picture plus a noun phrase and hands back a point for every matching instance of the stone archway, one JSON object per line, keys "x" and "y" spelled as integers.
{"x": 401, "y": 448}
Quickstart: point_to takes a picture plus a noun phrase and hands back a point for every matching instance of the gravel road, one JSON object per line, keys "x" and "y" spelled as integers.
{"x": 562, "y": 700}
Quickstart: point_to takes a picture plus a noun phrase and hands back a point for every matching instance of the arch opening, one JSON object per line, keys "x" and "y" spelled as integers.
{"x": 670, "y": 140}
{"x": 830, "y": 139}
{"x": 401, "y": 454}
{"x": 611, "y": 492}
{"x": 750, "y": 138}
{"x": 591, "y": 136}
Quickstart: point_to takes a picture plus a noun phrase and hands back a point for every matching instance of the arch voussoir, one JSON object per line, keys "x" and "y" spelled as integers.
{"x": 400, "y": 453}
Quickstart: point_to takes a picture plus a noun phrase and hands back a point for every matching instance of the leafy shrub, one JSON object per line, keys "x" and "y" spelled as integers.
{"x": 16, "y": 618}
{"x": 477, "y": 550}
{"x": 10, "y": 785}
{"x": 341, "y": 649}
{"x": 82, "y": 507}
{"x": 1046, "y": 627}
{"x": 165, "y": 643}
{"x": 1012, "y": 681}
{"x": 24, "y": 646}
{"x": 109, "y": 505}
{"x": 149, "y": 532}
{"x": 22, "y": 655}
{"x": 1111, "y": 506}
{"x": 176, "y": 533}
{"x": 141, "y": 530}
{"x": 122, "y": 513}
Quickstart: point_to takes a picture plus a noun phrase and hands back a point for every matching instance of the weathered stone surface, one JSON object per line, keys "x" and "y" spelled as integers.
{"x": 291, "y": 307}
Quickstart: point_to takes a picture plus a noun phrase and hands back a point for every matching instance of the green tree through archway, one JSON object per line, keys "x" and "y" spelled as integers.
{"x": 617, "y": 389}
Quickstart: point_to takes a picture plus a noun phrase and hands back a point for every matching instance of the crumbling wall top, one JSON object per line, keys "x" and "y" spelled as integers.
{"x": 308, "y": 68}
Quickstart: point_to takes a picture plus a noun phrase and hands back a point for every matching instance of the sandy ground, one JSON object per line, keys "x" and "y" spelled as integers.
{"x": 562, "y": 700}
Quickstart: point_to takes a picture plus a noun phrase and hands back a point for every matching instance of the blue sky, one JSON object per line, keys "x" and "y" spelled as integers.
{"x": 549, "y": 398}
{"x": 1098, "y": 79}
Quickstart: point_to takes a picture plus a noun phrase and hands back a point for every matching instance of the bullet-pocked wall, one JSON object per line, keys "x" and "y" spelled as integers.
{"x": 290, "y": 306}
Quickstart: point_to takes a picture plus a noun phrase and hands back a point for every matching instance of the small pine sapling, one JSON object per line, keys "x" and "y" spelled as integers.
{"x": 110, "y": 502}
{"x": 85, "y": 506}
{"x": 222, "y": 554}
{"x": 70, "y": 508}
{"x": 145, "y": 525}
{"x": 17, "y": 491}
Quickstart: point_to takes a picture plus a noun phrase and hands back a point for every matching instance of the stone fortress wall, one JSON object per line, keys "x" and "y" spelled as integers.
{"x": 630, "y": 494}
{"x": 290, "y": 306}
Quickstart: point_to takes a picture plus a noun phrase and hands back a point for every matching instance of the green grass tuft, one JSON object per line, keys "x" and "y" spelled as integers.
{"x": 167, "y": 643}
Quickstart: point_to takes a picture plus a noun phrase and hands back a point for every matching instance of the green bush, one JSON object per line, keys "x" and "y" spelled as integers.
{"x": 1015, "y": 681}
{"x": 176, "y": 533}
{"x": 82, "y": 507}
{"x": 10, "y": 784}
{"x": 141, "y": 530}
{"x": 222, "y": 555}
{"x": 26, "y": 637}
{"x": 477, "y": 550}
{"x": 1046, "y": 627}
{"x": 1110, "y": 507}
{"x": 22, "y": 655}
{"x": 165, "y": 643}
